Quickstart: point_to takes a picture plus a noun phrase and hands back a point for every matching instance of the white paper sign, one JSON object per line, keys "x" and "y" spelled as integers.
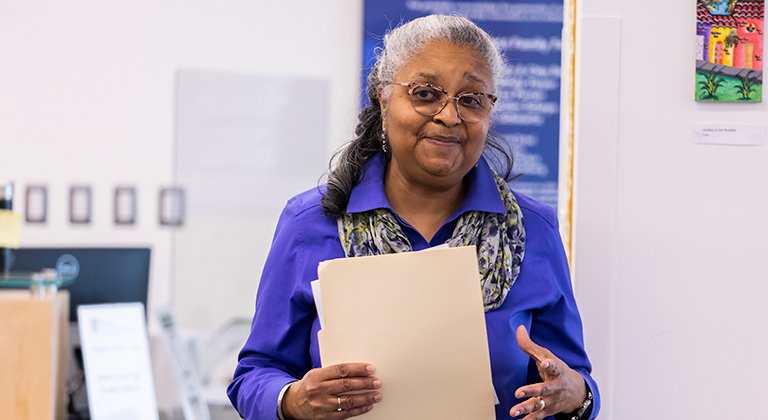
{"x": 117, "y": 366}
{"x": 731, "y": 134}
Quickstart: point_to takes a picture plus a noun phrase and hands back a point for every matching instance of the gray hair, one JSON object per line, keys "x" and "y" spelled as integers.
{"x": 405, "y": 41}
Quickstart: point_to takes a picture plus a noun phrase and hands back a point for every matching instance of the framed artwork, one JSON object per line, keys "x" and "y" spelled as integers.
{"x": 80, "y": 205}
{"x": 172, "y": 206}
{"x": 36, "y": 204}
{"x": 729, "y": 50}
{"x": 125, "y": 205}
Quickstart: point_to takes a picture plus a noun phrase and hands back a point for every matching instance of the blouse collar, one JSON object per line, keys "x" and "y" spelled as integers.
{"x": 368, "y": 194}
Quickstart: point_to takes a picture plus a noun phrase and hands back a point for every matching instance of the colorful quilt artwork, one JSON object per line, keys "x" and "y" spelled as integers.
{"x": 729, "y": 50}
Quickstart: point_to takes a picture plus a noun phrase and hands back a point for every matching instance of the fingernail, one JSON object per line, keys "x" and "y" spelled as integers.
{"x": 520, "y": 394}
{"x": 546, "y": 364}
{"x": 370, "y": 369}
{"x": 517, "y": 413}
{"x": 377, "y": 384}
{"x": 377, "y": 397}
{"x": 369, "y": 408}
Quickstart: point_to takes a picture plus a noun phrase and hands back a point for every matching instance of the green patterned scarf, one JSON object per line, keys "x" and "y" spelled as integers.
{"x": 499, "y": 238}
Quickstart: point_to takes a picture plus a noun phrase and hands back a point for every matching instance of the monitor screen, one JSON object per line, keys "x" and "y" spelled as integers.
{"x": 106, "y": 275}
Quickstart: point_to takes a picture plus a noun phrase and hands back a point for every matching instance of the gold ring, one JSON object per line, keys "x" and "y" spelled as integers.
{"x": 338, "y": 399}
{"x": 542, "y": 404}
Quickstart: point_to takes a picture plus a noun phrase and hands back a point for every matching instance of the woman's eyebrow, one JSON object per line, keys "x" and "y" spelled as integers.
{"x": 429, "y": 76}
{"x": 472, "y": 78}
{"x": 433, "y": 78}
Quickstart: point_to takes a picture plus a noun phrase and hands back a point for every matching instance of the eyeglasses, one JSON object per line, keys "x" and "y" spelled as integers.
{"x": 428, "y": 100}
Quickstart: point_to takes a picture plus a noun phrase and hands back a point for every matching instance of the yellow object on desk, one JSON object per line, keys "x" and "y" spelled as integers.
{"x": 10, "y": 229}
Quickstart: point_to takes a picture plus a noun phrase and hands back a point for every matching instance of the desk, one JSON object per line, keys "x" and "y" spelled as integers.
{"x": 33, "y": 355}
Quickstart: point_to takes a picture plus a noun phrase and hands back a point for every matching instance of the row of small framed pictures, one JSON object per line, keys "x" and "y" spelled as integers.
{"x": 171, "y": 205}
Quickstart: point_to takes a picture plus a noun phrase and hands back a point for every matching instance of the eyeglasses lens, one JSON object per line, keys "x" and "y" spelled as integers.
{"x": 428, "y": 100}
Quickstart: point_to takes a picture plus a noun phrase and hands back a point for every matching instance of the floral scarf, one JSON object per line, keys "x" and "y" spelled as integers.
{"x": 499, "y": 238}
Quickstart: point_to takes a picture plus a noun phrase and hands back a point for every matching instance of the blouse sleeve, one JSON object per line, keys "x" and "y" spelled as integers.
{"x": 558, "y": 326}
{"x": 276, "y": 351}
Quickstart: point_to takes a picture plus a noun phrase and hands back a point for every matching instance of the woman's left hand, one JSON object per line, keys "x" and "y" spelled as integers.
{"x": 562, "y": 391}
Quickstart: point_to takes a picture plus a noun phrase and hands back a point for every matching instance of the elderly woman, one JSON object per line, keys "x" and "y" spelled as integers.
{"x": 415, "y": 177}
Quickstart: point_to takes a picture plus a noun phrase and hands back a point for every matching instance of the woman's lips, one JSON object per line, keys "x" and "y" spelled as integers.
{"x": 443, "y": 140}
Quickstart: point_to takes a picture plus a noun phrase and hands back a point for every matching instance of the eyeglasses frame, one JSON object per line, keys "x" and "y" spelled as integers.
{"x": 413, "y": 85}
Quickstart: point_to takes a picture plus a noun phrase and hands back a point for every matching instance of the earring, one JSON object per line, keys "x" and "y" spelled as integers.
{"x": 384, "y": 142}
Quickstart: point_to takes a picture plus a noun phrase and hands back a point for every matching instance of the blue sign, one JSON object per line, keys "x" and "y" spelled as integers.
{"x": 528, "y": 110}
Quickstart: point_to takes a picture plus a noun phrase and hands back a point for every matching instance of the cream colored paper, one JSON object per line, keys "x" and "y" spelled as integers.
{"x": 418, "y": 317}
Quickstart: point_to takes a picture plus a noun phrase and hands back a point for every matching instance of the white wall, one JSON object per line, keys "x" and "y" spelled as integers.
{"x": 669, "y": 235}
{"x": 88, "y": 91}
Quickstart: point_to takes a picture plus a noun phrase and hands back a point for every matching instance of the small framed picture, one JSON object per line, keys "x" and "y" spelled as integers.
{"x": 172, "y": 206}
{"x": 125, "y": 205}
{"x": 36, "y": 204}
{"x": 80, "y": 204}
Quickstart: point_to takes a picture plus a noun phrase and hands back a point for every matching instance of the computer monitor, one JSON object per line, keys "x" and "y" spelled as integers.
{"x": 106, "y": 275}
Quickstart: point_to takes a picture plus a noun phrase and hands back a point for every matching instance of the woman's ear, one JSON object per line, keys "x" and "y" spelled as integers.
{"x": 383, "y": 106}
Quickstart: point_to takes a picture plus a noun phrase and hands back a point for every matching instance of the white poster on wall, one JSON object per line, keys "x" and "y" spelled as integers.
{"x": 245, "y": 144}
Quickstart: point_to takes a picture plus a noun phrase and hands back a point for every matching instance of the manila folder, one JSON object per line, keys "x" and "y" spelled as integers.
{"x": 418, "y": 317}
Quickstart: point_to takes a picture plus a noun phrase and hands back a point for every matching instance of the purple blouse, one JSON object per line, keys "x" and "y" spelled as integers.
{"x": 283, "y": 345}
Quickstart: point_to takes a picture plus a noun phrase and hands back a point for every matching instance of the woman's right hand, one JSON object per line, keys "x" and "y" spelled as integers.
{"x": 318, "y": 394}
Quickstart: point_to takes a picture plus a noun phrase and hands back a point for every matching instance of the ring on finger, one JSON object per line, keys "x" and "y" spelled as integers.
{"x": 542, "y": 404}
{"x": 338, "y": 399}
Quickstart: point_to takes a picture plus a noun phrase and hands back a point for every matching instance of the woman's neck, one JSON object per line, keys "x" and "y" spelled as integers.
{"x": 424, "y": 208}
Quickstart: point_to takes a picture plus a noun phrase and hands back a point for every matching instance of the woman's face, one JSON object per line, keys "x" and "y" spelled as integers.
{"x": 436, "y": 151}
